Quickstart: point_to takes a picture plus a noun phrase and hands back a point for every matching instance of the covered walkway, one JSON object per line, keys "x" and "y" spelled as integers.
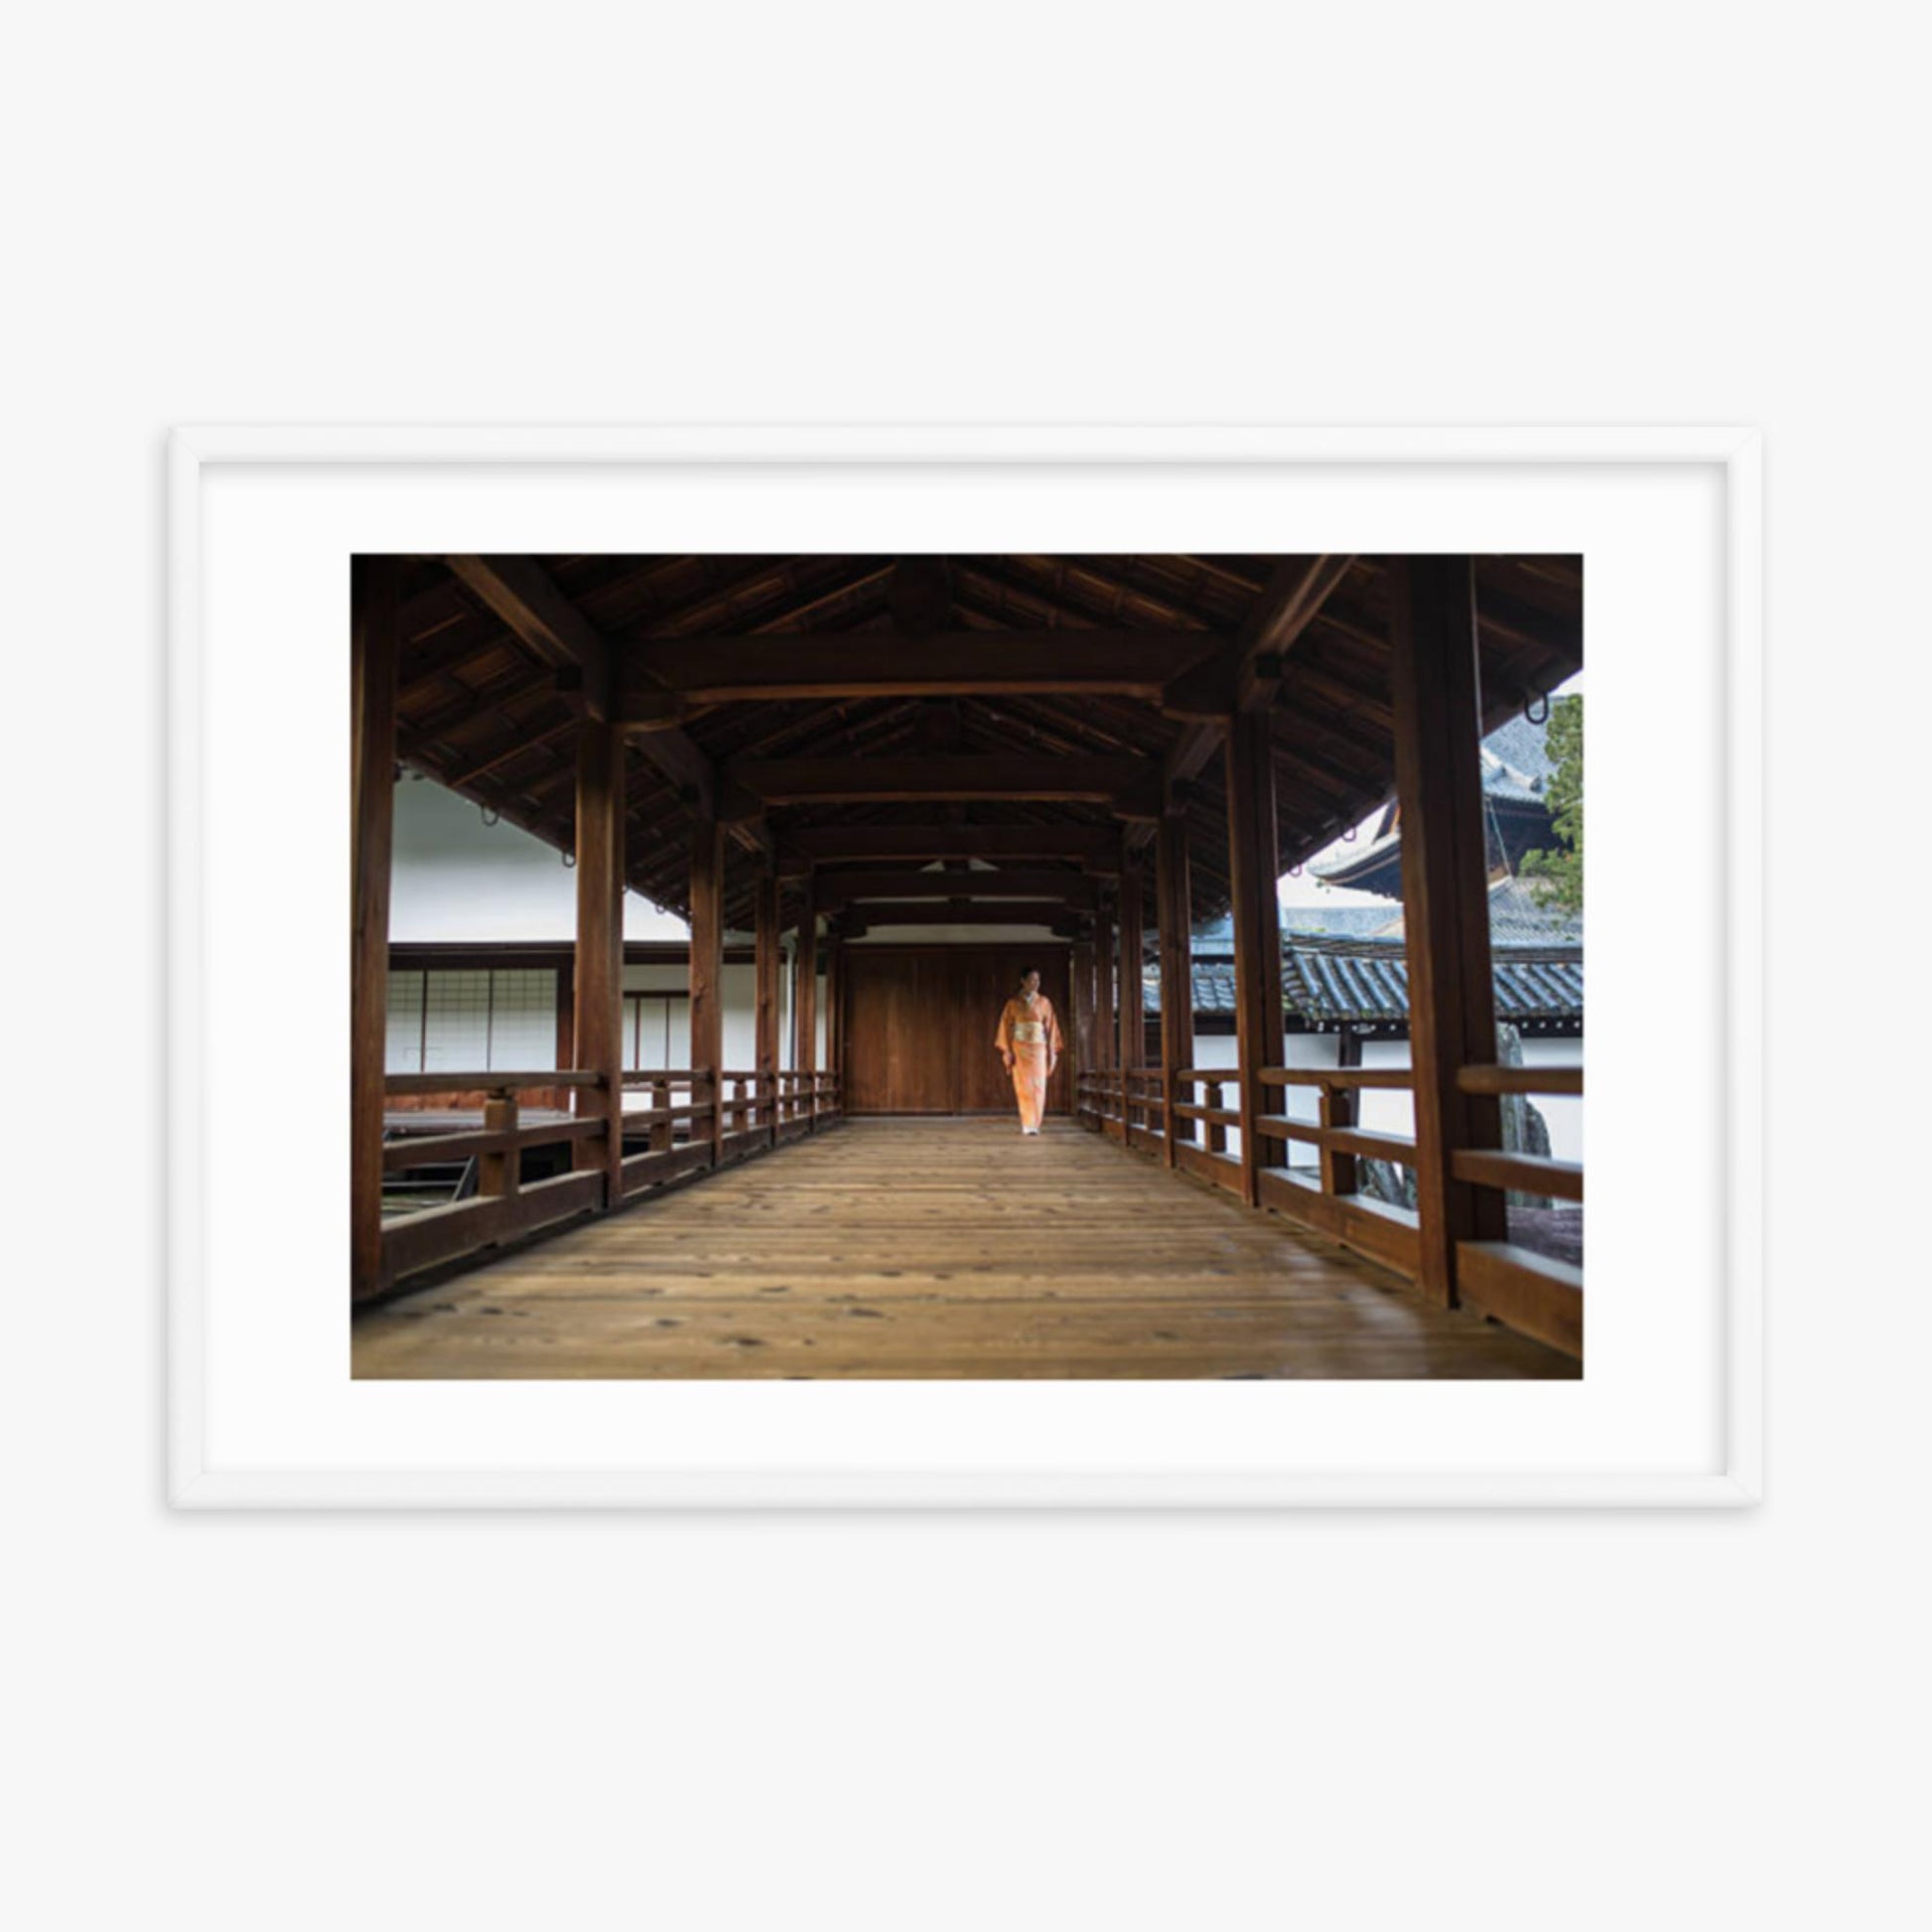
{"x": 914, "y": 1248}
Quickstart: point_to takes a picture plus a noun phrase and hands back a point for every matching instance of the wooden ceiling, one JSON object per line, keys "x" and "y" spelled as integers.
{"x": 1073, "y": 695}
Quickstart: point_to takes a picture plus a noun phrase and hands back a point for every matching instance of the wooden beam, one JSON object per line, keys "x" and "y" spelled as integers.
{"x": 1252, "y": 669}
{"x": 521, "y": 592}
{"x": 1174, "y": 903}
{"x": 966, "y": 911}
{"x": 1253, "y": 875}
{"x": 1445, "y": 904}
{"x": 598, "y": 967}
{"x": 1095, "y": 847}
{"x": 525, "y": 597}
{"x": 1067, "y": 889}
{"x": 956, "y": 664}
{"x": 807, "y": 781}
{"x": 376, "y": 648}
{"x": 1295, "y": 591}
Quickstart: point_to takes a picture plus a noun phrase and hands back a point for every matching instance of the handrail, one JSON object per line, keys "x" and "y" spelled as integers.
{"x": 1565, "y": 1080}
{"x": 1338, "y": 1076}
{"x": 488, "y": 1081}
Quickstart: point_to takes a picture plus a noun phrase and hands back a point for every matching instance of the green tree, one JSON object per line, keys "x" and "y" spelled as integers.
{"x": 1558, "y": 875}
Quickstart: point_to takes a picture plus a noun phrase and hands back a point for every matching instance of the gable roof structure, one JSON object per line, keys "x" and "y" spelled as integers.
{"x": 1084, "y": 686}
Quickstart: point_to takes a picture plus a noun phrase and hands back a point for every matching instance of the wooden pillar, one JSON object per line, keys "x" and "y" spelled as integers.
{"x": 1082, "y": 992}
{"x": 1434, "y": 687}
{"x": 566, "y": 1029}
{"x": 1173, "y": 913}
{"x": 805, "y": 1050}
{"x": 1104, "y": 1038}
{"x": 769, "y": 963}
{"x": 597, "y": 973}
{"x": 1254, "y": 876}
{"x": 707, "y": 974}
{"x": 375, "y": 645}
{"x": 833, "y": 1006}
{"x": 1132, "y": 994}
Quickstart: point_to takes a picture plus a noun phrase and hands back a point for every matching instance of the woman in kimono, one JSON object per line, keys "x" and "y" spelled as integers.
{"x": 1029, "y": 1040}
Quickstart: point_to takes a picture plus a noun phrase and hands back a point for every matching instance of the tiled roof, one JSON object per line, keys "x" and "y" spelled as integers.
{"x": 1366, "y": 981}
{"x": 1515, "y": 918}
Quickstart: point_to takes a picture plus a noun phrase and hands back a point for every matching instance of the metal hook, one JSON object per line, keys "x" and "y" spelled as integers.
{"x": 1349, "y": 837}
{"x": 570, "y": 861}
{"x": 490, "y": 817}
{"x": 1295, "y": 871}
{"x": 1532, "y": 715}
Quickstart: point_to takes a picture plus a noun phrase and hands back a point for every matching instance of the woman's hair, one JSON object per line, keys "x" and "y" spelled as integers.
{"x": 1024, "y": 971}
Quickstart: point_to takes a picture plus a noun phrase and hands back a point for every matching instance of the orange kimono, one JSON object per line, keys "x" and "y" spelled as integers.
{"x": 1030, "y": 1039}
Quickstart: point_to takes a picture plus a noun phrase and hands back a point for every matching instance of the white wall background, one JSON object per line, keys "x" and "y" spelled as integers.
{"x": 454, "y": 877}
{"x": 1488, "y": 213}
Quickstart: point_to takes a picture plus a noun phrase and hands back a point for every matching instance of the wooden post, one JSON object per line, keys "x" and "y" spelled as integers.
{"x": 1174, "y": 908}
{"x": 805, "y": 1051}
{"x": 1254, "y": 876}
{"x": 499, "y": 1175}
{"x": 1341, "y": 1107}
{"x": 707, "y": 974}
{"x": 1131, "y": 1046}
{"x": 374, "y": 646}
{"x": 1444, "y": 902}
{"x": 1338, "y": 1175}
{"x": 566, "y": 1029}
{"x": 598, "y": 971}
{"x": 1132, "y": 994}
{"x": 1103, "y": 986}
{"x": 1081, "y": 988}
{"x": 768, "y": 998}
{"x": 834, "y": 1005}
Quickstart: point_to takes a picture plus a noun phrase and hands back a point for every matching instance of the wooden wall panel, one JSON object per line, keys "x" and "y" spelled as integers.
{"x": 918, "y": 1022}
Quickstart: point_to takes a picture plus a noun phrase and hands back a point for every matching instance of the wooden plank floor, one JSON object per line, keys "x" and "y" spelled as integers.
{"x": 951, "y": 1248}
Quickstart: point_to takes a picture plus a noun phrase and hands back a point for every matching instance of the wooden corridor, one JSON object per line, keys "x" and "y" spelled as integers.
{"x": 937, "y": 1248}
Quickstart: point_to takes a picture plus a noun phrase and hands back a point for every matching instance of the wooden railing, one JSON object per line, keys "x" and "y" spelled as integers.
{"x": 1534, "y": 1293}
{"x": 502, "y": 1207}
{"x": 1335, "y": 1204}
{"x": 694, "y": 1121}
{"x": 1530, "y": 1292}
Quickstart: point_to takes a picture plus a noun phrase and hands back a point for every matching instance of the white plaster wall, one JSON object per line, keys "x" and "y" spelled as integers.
{"x": 454, "y": 877}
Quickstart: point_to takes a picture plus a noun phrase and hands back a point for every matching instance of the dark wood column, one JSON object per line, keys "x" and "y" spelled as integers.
{"x": 598, "y": 967}
{"x": 1444, "y": 902}
{"x": 834, "y": 1004}
{"x": 805, "y": 1002}
{"x": 1253, "y": 875}
{"x": 1104, "y": 1032}
{"x": 1133, "y": 996}
{"x": 769, "y": 963}
{"x": 374, "y": 645}
{"x": 1174, "y": 904}
{"x": 707, "y": 972}
{"x": 1080, "y": 988}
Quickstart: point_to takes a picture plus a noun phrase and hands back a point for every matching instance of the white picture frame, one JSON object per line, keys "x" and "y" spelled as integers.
{"x": 261, "y": 1409}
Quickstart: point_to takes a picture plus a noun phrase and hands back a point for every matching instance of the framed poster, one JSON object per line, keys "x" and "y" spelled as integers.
{"x": 268, "y": 1404}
